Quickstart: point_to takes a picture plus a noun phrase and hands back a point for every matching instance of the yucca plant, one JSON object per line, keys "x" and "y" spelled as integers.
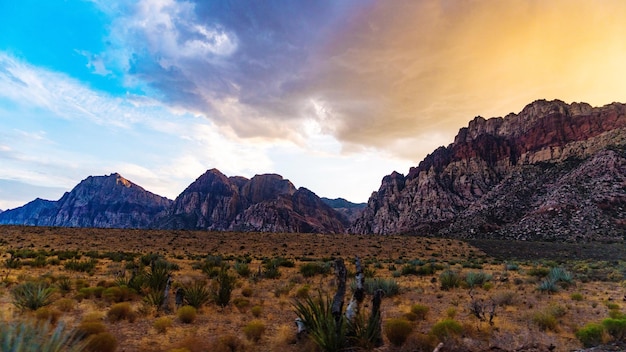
{"x": 224, "y": 286}
{"x": 327, "y": 332}
{"x": 29, "y": 337}
{"x": 32, "y": 295}
{"x": 196, "y": 294}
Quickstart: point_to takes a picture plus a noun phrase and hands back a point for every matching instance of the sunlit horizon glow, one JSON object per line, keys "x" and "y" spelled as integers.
{"x": 330, "y": 95}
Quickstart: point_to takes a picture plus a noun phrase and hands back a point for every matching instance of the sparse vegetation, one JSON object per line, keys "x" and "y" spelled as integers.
{"x": 124, "y": 272}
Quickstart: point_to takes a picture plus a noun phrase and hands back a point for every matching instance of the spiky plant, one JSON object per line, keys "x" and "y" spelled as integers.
{"x": 29, "y": 336}
{"x": 32, "y": 295}
{"x": 327, "y": 332}
{"x": 196, "y": 294}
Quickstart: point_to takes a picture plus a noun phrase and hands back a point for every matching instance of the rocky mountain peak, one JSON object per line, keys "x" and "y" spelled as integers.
{"x": 504, "y": 158}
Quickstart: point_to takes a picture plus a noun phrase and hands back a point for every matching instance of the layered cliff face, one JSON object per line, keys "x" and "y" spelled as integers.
{"x": 553, "y": 171}
{"x": 98, "y": 201}
{"x": 265, "y": 203}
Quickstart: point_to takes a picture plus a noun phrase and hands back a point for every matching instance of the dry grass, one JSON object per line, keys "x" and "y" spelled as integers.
{"x": 517, "y": 325}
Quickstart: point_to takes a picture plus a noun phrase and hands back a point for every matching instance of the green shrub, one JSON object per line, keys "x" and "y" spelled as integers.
{"x": 397, "y": 330}
{"x": 117, "y": 294}
{"x": 32, "y": 295}
{"x": 389, "y": 286}
{"x": 576, "y": 296}
{"x": 615, "y": 328}
{"x": 121, "y": 311}
{"x": 242, "y": 269}
{"x": 590, "y": 335}
{"x": 102, "y": 342}
{"x": 225, "y": 285}
{"x": 449, "y": 279}
{"x": 161, "y": 324}
{"x": 476, "y": 278}
{"x": 420, "y": 311}
{"x": 257, "y": 311}
{"x": 241, "y": 303}
{"x": 254, "y": 330}
{"x": 548, "y": 285}
{"x": 545, "y": 321}
{"x": 81, "y": 266}
{"x": 186, "y": 314}
{"x": 196, "y": 294}
{"x": 303, "y": 292}
{"x": 30, "y": 336}
{"x": 538, "y": 272}
{"x": 446, "y": 329}
{"x": 561, "y": 275}
{"x": 317, "y": 268}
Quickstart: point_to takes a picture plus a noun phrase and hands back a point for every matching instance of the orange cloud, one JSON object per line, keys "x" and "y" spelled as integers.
{"x": 405, "y": 72}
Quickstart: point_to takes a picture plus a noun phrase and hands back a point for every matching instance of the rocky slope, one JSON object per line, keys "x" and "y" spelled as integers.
{"x": 98, "y": 201}
{"x": 346, "y": 208}
{"x": 263, "y": 203}
{"x": 553, "y": 171}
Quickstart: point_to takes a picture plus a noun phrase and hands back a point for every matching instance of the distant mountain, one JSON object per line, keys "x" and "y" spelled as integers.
{"x": 98, "y": 201}
{"x": 265, "y": 203}
{"x": 348, "y": 209}
{"x": 552, "y": 172}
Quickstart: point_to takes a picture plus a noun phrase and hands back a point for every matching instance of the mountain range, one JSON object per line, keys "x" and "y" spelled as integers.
{"x": 554, "y": 171}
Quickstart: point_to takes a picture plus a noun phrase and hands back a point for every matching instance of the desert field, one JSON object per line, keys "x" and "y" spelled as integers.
{"x": 106, "y": 287}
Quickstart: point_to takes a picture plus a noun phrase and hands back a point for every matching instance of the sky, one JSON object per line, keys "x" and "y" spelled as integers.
{"x": 332, "y": 95}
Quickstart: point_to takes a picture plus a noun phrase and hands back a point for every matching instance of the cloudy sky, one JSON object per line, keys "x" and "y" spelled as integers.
{"x": 332, "y": 95}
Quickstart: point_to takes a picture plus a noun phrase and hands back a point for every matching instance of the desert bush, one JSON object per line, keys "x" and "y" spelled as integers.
{"x": 12, "y": 263}
{"x": 241, "y": 303}
{"x": 121, "y": 311}
{"x": 548, "y": 285}
{"x": 256, "y": 311}
{"x": 397, "y": 330}
{"x": 242, "y": 269}
{"x": 48, "y": 314}
{"x": 389, "y": 286}
{"x": 545, "y": 321}
{"x": 225, "y": 284}
{"x": 315, "y": 268}
{"x": 82, "y": 266}
{"x": 576, "y": 296}
{"x": 616, "y": 314}
{"x": 227, "y": 343}
{"x": 196, "y": 294}
{"x": 446, "y": 329}
{"x": 117, "y": 294}
{"x": 615, "y": 328}
{"x": 420, "y": 311}
{"x": 186, "y": 314}
{"x": 30, "y": 336}
{"x": 538, "y": 271}
{"x": 102, "y": 342}
{"x": 87, "y": 328}
{"x": 247, "y": 292}
{"x": 303, "y": 292}
{"x": 65, "y": 304}
{"x": 511, "y": 266}
{"x": 476, "y": 278}
{"x": 590, "y": 335}
{"x": 32, "y": 295}
{"x": 161, "y": 324}
{"x": 316, "y": 314}
{"x": 560, "y": 275}
{"x": 254, "y": 330}
{"x": 449, "y": 279}
{"x": 612, "y": 305}
{"x": 505, "y": 298}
